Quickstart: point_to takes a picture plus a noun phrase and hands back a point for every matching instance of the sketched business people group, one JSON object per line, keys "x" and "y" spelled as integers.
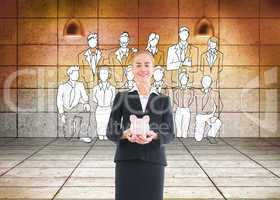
{"x": 84, "y": 101}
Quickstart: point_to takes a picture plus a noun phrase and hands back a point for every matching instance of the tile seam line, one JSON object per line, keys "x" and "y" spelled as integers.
{"x": 72, "y": 172}
{"x": 244, "y": 154}
{"x": 197, "y": 162}
{"x": 28, "y": 157}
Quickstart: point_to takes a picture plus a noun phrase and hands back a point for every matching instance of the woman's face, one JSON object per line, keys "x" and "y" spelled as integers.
{"x": 143, "y": 68}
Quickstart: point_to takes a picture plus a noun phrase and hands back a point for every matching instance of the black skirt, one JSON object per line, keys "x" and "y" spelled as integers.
{"x": 138, "y": 180}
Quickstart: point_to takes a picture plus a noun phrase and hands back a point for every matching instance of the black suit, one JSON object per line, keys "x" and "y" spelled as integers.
{"x": 161, "y": 121}
{"x": 140, "y": 167}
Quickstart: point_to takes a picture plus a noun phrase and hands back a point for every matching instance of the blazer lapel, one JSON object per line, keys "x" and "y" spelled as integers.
{"x": 98, "y": 56}
{"x": 188, "y": 51}
{"x": 148, "y": 107}
{"x": 135, "y": 103}
{"x": 208, "y": 58}
{"x": 177, "y": 52}
{"x": 87, "y": 55}
{"x": 118, "y": 56}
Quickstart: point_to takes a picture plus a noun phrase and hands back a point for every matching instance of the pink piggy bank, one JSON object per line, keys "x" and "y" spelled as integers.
{"x": 139, "y": 126}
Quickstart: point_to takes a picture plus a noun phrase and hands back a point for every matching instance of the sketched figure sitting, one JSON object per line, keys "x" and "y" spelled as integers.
{"x": 73, "y": 107}
{"x": 209, "y": 106}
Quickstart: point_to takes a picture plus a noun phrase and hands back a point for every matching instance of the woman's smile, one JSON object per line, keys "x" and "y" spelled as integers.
{"x": 143, "y": 68}
{"x": 143, "y": 74}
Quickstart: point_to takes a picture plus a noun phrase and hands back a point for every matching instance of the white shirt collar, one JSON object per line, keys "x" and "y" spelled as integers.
{"x": 135, "y": 88}
{"x": 102, "y": 86}
{"x": 185, "y": 87}
{"x": 89, "y": 52}
{"x": 182, "y": 46}
{"x": 122, "y": 53}
{"x": 212, "y": 51}
{"x": 206, "y": 90}
{"x": 71, "y": 83}
{"x": 152, "y": 50}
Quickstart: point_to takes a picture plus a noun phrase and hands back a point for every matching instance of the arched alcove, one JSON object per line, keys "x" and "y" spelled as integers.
{"x": 73, "y": 27}
{"x": 204, "y": 28}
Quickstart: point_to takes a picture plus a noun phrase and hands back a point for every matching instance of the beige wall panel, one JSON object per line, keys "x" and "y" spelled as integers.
{"x": 8, "y": 55}
{"x": 270, "y": 100}
{"x": 37, "y": 77}
{"x": 37, "y": 31}
{"x": 240, "y": 125}
{"x": 194, "y": 8}
{"x": 239, "y": 8}
{"x": 83, "y": 8}
{"x": 37, "y": 100}
{"x": 270, "y": 77}
{"x": 8, "y": 76}
{"x": 8, "y": 100}
{"x": 35, "y": 8}
{"x": 240, "y": 100}
{"x": 240, "y": 55}
{"x": 8, "y": 31}
{"x": 239, "y": 31}
{"x": 240, "y": 77}
{"x": 270, "y": 124}
{"x": 37, "y": 55}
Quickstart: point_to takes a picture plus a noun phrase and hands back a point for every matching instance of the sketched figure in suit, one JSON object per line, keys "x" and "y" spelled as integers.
{"x": 212, "y": 61}
{"x": 159, "y": 84}
{"x": 183, "y": 99}
{"x": 209, "y": 107}
{"x": 130, "y": 82}
{"x": 103, "y": 95}
{"x": 89, "y": 59}
{"x": 182, "y": 56}
{"x": 73, "y": 107}
{"x": 120, "y": 59}
{"x": 153, "y": 41}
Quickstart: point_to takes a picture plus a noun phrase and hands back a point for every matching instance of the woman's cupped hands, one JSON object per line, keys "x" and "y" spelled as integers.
{"x": 140, "y": 138}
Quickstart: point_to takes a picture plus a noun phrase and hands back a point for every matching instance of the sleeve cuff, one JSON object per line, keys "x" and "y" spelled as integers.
{"x": 159, "y": 139}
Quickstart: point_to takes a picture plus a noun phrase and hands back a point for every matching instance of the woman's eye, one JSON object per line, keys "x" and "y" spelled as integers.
{"x": 146, "y": 65}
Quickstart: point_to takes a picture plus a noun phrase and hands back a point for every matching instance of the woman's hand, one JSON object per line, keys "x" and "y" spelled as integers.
{"x": 140, "y": 139}
{"x": 152, "y": 135}
{"x": 146, "y": 138}
{"x": 128, "y": 135}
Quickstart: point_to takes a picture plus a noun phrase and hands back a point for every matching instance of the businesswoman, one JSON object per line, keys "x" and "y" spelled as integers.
{"x": 140, "y": 159}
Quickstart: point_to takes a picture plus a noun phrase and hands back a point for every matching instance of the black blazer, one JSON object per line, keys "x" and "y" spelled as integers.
{"x": 161, "y": 121}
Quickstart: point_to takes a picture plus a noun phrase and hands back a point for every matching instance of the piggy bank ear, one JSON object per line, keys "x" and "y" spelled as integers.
{"x": 132, "y": 118}
{"x": 146, "y": 118}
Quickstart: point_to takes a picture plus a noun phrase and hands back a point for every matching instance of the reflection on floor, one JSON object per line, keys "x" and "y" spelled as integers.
{"x": 51, "y": 168}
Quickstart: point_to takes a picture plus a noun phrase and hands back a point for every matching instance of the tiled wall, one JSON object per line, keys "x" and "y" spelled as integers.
{"x": 33, "y": 49}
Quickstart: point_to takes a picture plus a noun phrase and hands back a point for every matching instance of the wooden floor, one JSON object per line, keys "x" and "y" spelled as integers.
{"x": 51, "y": 168}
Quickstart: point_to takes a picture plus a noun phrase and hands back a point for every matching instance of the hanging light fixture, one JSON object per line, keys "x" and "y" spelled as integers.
{"x": 204, "y": 27}
{"x": 73, "y": 27}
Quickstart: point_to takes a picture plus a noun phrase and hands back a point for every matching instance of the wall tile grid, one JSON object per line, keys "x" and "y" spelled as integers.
{"x": 34, "y": 55}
